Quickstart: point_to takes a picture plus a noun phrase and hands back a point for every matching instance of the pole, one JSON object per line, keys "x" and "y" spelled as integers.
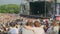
{"x": 45, "y": 7}
{"x": 55, "y": 7}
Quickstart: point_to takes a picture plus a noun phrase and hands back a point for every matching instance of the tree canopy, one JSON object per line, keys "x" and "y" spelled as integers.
{"x": 10, "y": 8}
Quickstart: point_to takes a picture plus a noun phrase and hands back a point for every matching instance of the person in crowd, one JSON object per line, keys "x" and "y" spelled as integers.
{"x": 13, "y": 30}
{"x": 46, "y": 26}
{"x": 17, "y": 21}
{"x": 37, "y": 29}
{"x": 18, "y": 26}
{"x": 4, "y": 30}
{"x": 54, "y": 29}
{"x": 29, "y": 24}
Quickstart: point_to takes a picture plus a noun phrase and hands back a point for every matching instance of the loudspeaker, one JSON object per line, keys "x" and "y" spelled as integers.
{"x": 39, "y": 8}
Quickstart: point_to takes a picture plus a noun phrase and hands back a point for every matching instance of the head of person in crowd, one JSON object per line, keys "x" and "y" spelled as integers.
{"x": 29, "y": 23}
{"x": 29, "y": 20}
{"x": 12, "y": 24}
{"x": 54, "y": 23}
{"x": 21, "y": 19}
{"x": 17, "y": 21}
{"x": 47, "y": 24}
{"x": 17, "y": 24}
{"x": 37, "y": 24}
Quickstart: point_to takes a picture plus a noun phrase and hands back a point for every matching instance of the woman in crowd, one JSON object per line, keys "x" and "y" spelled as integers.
{"x": 37, "y": 29}
{"x": 29, "y": 25}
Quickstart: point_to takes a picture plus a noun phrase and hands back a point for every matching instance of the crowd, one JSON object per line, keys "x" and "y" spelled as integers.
{"x": 30, "y": 26}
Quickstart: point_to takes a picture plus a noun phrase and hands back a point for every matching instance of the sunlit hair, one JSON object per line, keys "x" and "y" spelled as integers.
{"x": 29, "y": 23}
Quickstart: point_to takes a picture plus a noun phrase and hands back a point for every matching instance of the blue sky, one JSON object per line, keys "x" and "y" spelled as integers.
{"x": 10, "y": 1}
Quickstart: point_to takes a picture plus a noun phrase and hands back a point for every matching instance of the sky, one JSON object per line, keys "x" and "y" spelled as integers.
{"x": 13, "y": 1}
{"x": 10, "y": 2}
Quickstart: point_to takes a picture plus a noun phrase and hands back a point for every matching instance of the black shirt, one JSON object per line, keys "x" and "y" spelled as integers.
{"x": 59, "y": 31}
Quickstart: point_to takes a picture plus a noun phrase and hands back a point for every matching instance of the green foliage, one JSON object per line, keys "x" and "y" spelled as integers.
{"x": 10, "y": 8}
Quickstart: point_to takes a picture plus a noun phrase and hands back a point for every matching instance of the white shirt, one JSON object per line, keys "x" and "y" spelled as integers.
{"x": 53, "y": 29}
{"x": 56, "y": 29}
{"x": 38, "y": 30}
{"x": 26, "y": 31}
{"x": 13, "y": 31}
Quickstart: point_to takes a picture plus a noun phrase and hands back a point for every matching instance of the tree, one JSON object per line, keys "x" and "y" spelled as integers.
{"x": 10, "y": 8}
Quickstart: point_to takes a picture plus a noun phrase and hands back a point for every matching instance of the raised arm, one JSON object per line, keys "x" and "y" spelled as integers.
{"x": 27, "y": 27}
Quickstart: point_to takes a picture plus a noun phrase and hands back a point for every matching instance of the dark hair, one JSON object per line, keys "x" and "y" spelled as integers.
{"x": 12, "y": 24}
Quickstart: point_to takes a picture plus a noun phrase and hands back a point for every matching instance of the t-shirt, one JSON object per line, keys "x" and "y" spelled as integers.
{"x": 13, "y": 31}
{"x": 26, "y": 31}
{"x": 52, "y": 30}
{"x": 38, "y": 30}
{"x": 56, "y": 29}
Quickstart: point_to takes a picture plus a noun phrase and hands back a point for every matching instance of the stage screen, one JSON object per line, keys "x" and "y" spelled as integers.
{"x": 38, "y": 8}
